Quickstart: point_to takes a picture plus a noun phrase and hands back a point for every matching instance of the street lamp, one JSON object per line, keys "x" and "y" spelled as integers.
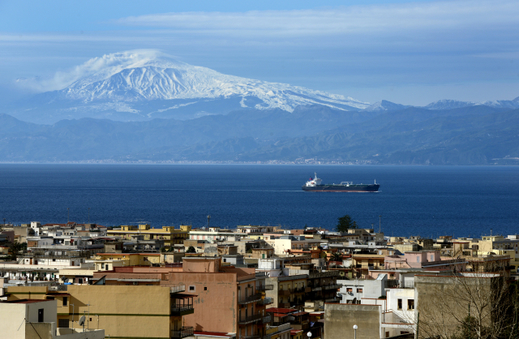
{"x": 355, "y": 327}
{"x": 309, "y": 334}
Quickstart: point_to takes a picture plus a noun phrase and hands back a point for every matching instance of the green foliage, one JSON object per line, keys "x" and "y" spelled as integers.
{"x": 15, "y": 248}
{"x": 345, "y": 223}
{"x": 191, "y": 249}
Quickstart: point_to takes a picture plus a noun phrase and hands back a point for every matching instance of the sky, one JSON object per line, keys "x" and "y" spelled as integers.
{"x": 409, "y": 52}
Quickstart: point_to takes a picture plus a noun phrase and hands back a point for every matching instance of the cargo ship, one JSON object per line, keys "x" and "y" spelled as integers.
{"x": 315, "y": 185}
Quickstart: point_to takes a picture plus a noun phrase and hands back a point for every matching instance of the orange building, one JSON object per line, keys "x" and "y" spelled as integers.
{"x": 227, "y": 299}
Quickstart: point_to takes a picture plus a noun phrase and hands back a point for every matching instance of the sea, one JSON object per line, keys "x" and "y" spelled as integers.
{"x": 427, "y": 201}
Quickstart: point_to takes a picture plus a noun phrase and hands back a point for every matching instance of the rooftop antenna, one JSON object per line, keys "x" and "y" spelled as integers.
{"x": 208, "y": 220}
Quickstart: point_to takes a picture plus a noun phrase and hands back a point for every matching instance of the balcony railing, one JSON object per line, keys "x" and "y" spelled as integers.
{"x": 183, "y": 310}
{"x": 185, "y": 331}
{"x": 250, "y": 319}
{"x": 250, "y": 299}
{"x": 267, "y": 319}
{"x": 332, "y": 286}
{"x": 266, "y": 301}
{"x": 265, "y": 288}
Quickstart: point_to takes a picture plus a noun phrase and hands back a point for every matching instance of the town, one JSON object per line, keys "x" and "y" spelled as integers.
{"x": 77, "y": 280}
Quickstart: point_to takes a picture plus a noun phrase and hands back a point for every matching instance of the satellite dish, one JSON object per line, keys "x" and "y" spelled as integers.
{"x": 82, "y": 321}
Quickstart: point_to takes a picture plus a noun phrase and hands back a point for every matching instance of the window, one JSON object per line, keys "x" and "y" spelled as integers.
{"x": 399, "y": 304}
{"x": 349, "y": 290}
{"x": 205, "y": 288}
{"x": 62, "y": 322}
{"x": 65, "y": 301}
{"x": 410, "y": 304}
{"x": 191, "y": 288}
{"x": 40, "y": 315}
{"x": 359, "y": 290}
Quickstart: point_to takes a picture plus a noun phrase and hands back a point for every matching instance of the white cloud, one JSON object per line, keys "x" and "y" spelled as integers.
{"x": 107, "y": 63}
{"x": 441, "y": 15}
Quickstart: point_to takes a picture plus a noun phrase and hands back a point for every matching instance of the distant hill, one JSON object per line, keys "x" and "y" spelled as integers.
{"x": 477, "y": 135}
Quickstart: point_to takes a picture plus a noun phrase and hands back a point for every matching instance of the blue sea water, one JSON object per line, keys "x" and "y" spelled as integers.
{"x": 413, "y": 200}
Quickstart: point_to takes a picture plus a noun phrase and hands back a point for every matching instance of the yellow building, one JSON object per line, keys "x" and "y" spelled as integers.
{"x": 122, "y": 311}
{"x": 168, "y": 234}
{"x": 107, "y": 261}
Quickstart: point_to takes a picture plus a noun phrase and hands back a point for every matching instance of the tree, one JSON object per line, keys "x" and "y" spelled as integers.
{"x": 345, "y": 223}
{"x": 480, "y": 304}
{"x": 15, "y": 248}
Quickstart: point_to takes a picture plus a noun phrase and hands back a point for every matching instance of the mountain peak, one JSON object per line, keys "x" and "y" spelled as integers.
{"x": 126, "y": 79}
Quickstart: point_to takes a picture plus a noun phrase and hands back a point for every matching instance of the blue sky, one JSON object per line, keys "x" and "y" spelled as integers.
{"x": 411, "y": 52}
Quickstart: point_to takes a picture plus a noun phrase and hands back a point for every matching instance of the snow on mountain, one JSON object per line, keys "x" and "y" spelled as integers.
{"x": 448, "y": 104}
{"x": 384, "y": 105}
{"x": 511, "y": 104}
{"x": 137, "y": 76}
{"x": 452, "y": 104}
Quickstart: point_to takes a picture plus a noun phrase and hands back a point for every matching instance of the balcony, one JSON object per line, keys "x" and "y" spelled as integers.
{"x": 265, "y": 288}
{"x": 182, "y": 305}
{"x": 185, "y": 331}
{"x": 179, "y": 311}
{"x": 250, "y": 299}
{"x": 267, "y": 319}
{"x": 332, "y": 286}
{"x": 250, "y": 319}
{"x": 265, "y": 301}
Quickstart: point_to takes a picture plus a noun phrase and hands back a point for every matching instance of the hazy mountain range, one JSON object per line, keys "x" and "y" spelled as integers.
{"x": 145, "y": 106}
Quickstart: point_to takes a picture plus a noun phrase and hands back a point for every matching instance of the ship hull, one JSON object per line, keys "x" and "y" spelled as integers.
{"x": 343, "y": 188}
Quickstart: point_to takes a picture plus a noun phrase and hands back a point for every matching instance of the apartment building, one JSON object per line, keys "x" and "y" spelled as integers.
{"x": 121, "y": 311}
{"x": 169, "y": 234}
{"x": 30, "y": 318}
{"x": 227, "y": 299}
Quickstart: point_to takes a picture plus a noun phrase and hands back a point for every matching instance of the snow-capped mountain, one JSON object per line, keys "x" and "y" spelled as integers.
{"x": 384, "y": 105}
{"x": 452, "y": 104}
{"x": 144, "y": 84}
